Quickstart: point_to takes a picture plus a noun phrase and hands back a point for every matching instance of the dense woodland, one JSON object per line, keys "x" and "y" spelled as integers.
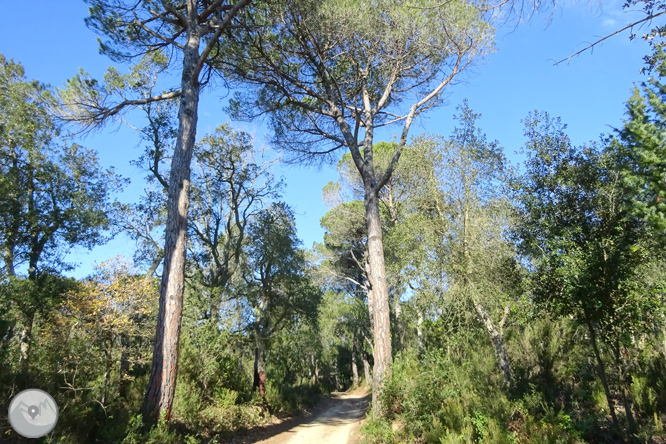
{"x": 478, "y": 300}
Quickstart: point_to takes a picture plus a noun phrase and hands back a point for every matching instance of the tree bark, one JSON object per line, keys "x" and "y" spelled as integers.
{"x": 259, "y": 367}
{"x": 314, "y": 374}
{"x": 400, "y": 332}
{"x": 162, "y": 384}
{"x": 316, "y": 370}
{"x": 381, "y": 328}
{"x": 366, "y": 368}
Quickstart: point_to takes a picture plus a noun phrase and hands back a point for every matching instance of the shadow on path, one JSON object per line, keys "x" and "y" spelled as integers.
{"x": 337, "y": 410}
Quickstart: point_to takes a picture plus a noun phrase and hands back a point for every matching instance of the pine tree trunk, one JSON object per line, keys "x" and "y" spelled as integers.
{"x": 162, "y": 384}
{"x": 381, "y": 328}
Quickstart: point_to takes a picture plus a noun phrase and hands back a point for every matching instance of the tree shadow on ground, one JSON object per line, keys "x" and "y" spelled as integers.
{"x": 332, "y": 411}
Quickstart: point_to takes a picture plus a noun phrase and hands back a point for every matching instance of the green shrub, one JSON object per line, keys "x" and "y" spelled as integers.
{"x": 377, "y": 431}
{"x": 290, "y": 400}
{"x": 188, "y": 403}
{"x": 160, "y": 434}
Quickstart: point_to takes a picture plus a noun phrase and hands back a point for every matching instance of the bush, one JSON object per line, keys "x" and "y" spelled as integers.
{"x": 160, "y": 434}
{"x": 290, "y": 400}
{"x": 456, "y": 396}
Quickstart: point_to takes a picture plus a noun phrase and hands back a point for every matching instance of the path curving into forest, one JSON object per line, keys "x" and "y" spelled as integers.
{"x": 335, "y": 420}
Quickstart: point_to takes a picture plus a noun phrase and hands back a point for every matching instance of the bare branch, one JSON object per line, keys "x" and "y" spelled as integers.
{"x": 182, "y": 20}
{"x": 89, "y": 112}
{"x": 165, "y": 39}
{"x": 410, "y": 117}
{"x": 631, "y": 25}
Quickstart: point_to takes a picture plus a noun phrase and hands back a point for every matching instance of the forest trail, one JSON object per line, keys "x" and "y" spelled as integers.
{"x": 335, "y": 420}
{"x": 337, "y": 424}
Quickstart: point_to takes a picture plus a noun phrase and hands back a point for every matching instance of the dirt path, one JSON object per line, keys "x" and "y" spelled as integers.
{"x": 335, "y": 420}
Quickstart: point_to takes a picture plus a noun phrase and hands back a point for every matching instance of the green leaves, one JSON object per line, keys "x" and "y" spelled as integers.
{"x": 580, "y": 226}
{"x": 52, "y": 196}
{"x": 320, "y": 68}
{"x": 641, "y": 149}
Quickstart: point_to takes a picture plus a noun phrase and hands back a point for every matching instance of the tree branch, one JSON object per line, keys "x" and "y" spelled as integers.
{"x": 218, "y": 32}
{"x": 631, "y": 25}
{"x": 410, "y": 117}
{"x": 97, "y": 113}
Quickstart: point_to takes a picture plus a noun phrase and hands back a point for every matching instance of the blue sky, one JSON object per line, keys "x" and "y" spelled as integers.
{"x": 588, "y": 93}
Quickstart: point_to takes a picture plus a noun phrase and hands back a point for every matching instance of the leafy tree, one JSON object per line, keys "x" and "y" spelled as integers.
{"x": 27, "y": 302}
{"x": 53, "y": 197}
{"x": 470, "y": 231}
{"x": 588, "y": 247}
{"x": 144, "y": 221}
{"x": 640, "y": 145}
{"x": 114, "y": 306}
{"x": 231, "y": 184}
{"x": 278, "y": 290}
{"x": 329, "y": 76}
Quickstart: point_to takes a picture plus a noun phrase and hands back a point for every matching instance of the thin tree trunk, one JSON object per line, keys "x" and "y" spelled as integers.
{"x": 313, "y": 372}
{"x": 259, "y": 367}
{"x": 8, "y": 256}
{"x": 24, "y": 348}
{"x": 124, "y": 364}
{"x": 381, "y": 328}
{"x": 664, "y": 344}
{"x": 366, "y": 368}
{"x": 400, "y": 332}
{"x": 162, "y": 384}
{"x": 353, "y": 364}
{"x": 153, "y": 266}
{"x": 602, "y": 373}
{"x": 625, "y": 387}
{"x": 497, "y": 340}
{"x": 107, "y": 372}
{"x": 419, "y": 328}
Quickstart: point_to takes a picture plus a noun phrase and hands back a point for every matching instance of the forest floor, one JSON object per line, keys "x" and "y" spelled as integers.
{"x": 336, "y": 419}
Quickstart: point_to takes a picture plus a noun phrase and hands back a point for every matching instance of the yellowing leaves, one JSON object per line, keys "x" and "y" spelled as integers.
{"x": 114, "y": 298}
